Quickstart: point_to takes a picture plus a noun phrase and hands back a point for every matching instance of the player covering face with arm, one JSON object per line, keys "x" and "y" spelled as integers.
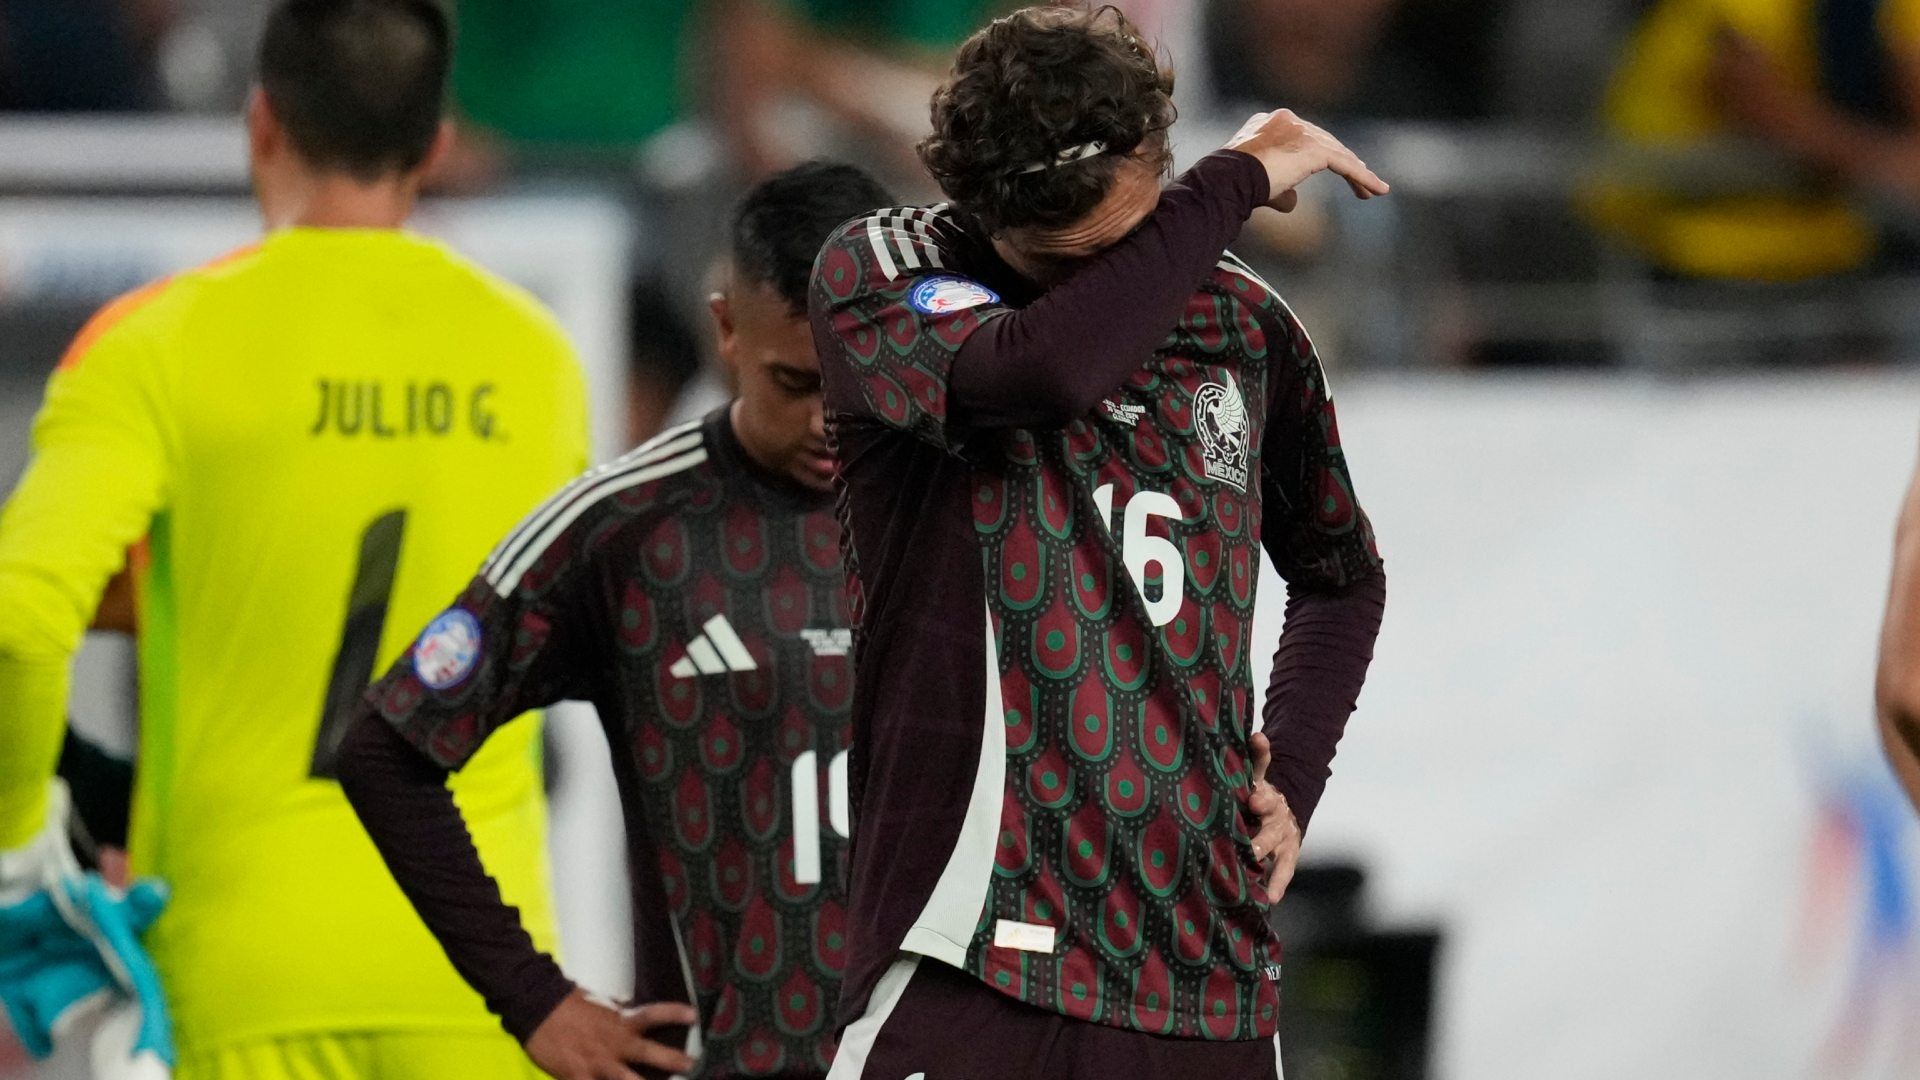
{"x": 692, "y": 591}
{"x": 1068, "y": 836}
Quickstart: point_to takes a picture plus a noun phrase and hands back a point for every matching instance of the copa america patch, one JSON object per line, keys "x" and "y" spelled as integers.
{"x": 945, "y": 295}
{"x": 447, "y": 649}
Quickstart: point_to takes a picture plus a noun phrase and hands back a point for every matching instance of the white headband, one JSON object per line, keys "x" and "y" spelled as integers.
{"x": 1067, "y": 157}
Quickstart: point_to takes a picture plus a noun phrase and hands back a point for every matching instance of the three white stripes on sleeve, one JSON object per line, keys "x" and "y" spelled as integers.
{"x": 888, "y": 233}
{"x": 674, "y": 450}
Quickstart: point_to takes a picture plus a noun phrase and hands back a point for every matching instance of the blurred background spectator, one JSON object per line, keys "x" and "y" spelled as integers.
{"x": 1763, "y": 168}
{"x": 81, "y": 55}
{"x": 1825, "y": 92}
{"x": 1349, "y": 60}
{"x": 683, "y": 104}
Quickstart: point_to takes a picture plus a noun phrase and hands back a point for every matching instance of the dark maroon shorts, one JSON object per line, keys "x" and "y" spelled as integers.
{"x": 929, "y": 1021}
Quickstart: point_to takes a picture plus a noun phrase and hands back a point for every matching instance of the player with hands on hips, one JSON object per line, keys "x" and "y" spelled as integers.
{"x": 691, "y": 589}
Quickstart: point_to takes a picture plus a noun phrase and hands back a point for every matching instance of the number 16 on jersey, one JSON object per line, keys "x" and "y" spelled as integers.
{"x": 1140, "y": 549}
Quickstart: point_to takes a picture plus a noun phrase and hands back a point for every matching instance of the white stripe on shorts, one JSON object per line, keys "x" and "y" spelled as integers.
{"x": 856, "y": 1045}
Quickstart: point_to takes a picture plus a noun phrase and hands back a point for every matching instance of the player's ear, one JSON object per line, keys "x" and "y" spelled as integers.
{"x": 263, "y": 127}
{"x": 443, "y": 141}
{"x": 726, "y": 337}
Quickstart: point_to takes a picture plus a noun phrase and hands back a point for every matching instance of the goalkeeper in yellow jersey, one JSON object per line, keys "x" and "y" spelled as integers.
{"x": 317, "y": 438}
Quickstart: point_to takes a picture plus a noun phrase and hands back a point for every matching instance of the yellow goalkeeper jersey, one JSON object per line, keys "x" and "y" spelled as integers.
{"x": 319, "y": 438}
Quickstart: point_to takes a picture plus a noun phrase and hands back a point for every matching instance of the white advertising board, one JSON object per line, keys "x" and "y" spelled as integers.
{"x": 1618, "y": 738}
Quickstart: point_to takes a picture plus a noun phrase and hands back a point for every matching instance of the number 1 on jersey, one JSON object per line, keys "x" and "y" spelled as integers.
{"x": 1140, "y": 549}
{"x": 360, "y": 639}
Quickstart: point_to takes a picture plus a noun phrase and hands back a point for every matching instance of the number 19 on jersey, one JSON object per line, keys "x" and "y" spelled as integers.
{"x": 806, "y": 811}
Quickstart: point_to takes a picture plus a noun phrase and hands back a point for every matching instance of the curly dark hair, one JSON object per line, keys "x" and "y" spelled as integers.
{"x": 1032, "y": 85}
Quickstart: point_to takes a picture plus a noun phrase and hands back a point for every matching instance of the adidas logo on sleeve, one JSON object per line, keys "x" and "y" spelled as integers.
{"x": 717, "y": 650}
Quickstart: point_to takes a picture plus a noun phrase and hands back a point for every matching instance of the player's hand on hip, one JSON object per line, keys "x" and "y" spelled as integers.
{"x": 585, "y": 1040}
{"x": 1293, "y": 149}
{"x": 1277, "y": 844}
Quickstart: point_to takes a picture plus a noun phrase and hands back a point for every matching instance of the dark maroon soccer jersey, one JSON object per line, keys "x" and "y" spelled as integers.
{"x": 698, "y": 603}
{"x": 1054, "y": 619}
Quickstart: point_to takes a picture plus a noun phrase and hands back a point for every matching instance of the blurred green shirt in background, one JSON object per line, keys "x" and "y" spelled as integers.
{"x": 929, "y": 24}
{"x": 588, "y": 74}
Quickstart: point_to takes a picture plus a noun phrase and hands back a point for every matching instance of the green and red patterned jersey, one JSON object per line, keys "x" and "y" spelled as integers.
{"x": 1053, "y": 552}
{"x": 697, "y": 602}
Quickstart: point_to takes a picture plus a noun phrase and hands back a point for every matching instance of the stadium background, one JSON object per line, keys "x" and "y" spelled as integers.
{"x": 1614, "y": 776}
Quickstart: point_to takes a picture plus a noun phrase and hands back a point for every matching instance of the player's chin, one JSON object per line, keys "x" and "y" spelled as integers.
{"x": 814, "y": 471}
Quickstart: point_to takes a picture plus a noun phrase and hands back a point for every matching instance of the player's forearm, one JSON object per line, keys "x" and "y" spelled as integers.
{"x": 45, "y": 598}
{"x": 1053, "y": 360}
{"x": 1318, "y": 669}
{"x": 401, "y": 797}
{"x": 33, "y": 693}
